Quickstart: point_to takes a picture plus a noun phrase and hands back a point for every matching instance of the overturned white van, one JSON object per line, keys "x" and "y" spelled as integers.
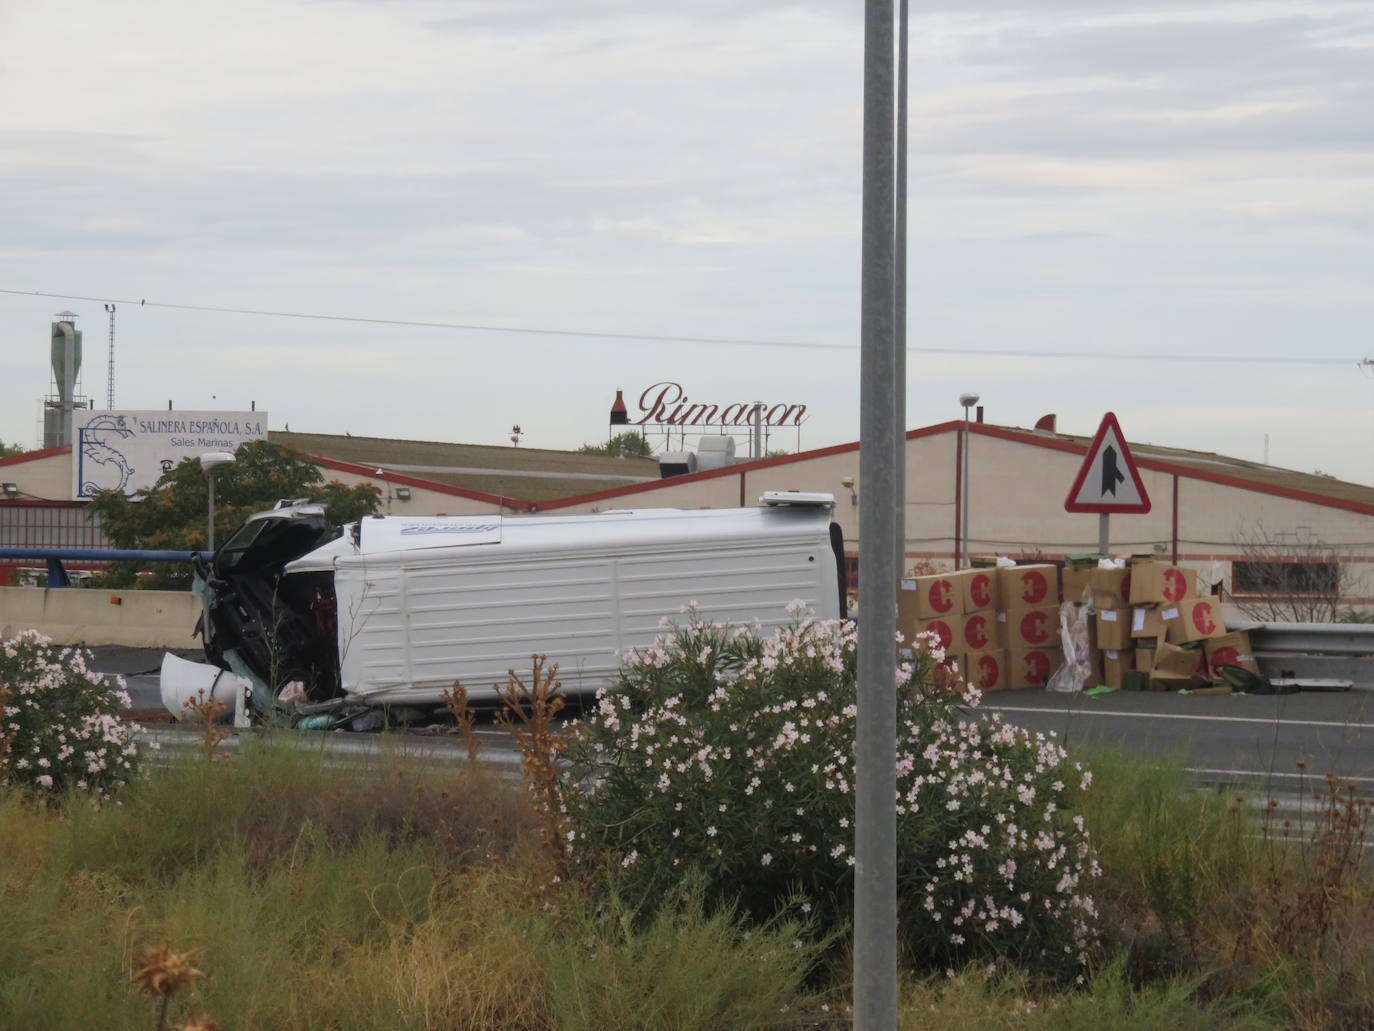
{"x": 396, "y": 609}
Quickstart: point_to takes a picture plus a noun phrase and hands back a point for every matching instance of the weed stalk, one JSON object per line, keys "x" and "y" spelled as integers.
{"x": 205, "y": 713}
{"x": 528, "y": 716}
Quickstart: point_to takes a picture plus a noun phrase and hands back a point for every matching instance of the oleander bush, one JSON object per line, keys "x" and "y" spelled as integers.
{"x": 61, "y": 729}
{"x": 727, "y": 756}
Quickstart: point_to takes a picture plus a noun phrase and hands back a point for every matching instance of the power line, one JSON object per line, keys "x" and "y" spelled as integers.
{"x": 965, "y": 352}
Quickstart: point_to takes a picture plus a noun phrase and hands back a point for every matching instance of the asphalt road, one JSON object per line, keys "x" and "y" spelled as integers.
{"x": 1258, "y": 740}
{"x": 1251, "y": 738}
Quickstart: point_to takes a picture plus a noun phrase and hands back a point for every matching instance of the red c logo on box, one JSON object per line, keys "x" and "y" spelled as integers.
{"x": 980, "y": 589}
{"x": 1033, "y": 628}
{"x": 941, "y": 630}
{"x": 1202, "y": 618}
{"x": 1037, "y": 667}
{"x": 1225, "y": 656}
{"x": 1033, "y": 587}
{"x": 988, "y": 674}
{"x": 976, "y": 632}
{"x": 1175, "y": 584}
{"x": 941, "y": 593}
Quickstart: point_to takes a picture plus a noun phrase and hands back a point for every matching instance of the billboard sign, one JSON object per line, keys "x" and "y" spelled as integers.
{"x": 127, "y": 450}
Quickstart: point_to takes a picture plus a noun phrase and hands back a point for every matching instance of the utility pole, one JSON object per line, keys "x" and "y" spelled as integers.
{"x": 109, "y": 375}
{"x": 875, "y": 832}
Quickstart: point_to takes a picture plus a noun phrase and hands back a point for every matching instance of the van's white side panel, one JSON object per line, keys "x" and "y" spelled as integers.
{"x": 412, "y": 624}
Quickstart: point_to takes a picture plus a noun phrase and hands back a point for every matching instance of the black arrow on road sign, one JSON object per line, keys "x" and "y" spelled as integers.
{"x": 1111, "y": 475}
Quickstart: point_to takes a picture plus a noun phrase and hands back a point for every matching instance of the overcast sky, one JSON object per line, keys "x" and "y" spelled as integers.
{"x": 1122, "y": 177}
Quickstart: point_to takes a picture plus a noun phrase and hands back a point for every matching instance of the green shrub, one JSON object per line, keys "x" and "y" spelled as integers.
{"x": 61, "y": 727}
{"x": 731, "y": 754}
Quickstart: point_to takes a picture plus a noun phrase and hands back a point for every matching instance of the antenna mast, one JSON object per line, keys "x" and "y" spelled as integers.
{"x": 109, "y": 376}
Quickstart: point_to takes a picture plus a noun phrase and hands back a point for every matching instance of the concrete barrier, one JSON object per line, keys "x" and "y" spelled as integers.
{"x": 138, "y": 619}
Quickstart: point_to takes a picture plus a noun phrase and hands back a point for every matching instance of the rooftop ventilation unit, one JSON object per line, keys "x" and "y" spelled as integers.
{"x": 715, "y": 452}
{"x": 676, "y": 463}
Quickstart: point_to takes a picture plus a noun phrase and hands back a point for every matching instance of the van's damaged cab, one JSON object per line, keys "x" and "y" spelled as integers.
{"x": 321, "y": 628}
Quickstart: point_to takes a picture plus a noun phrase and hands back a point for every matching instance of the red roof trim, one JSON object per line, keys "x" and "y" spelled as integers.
{"x": 1176, "y": 469}
{"x": 983, "y": 429}
{"x": 370, "y": 472}
{"x": 33, "y": 456}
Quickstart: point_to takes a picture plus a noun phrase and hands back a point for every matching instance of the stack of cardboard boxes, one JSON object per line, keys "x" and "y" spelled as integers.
{"x": 1155, "y": 631}
{"x": 1001, "y": 625}
{"x": 1150, "y": 627}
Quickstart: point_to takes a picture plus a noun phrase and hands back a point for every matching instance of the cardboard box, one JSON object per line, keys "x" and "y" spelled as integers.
{"x": 943, "y": 629}
{"x": 980, "y": 590}
{"x": 938, "y": 596}
{"x": 1157, "y": 582}
{"x": 987, "y": 671}
{"x": 1028, "y": 587}
{"x": 1193, "y": 619}
{"x": 1030, "y": 628}
{"x": 1076, "y": 579}
{"x": 1031, "y": 667}
{"x": 1175, "y": 681}
{"x": 908, "y": 613}
{"x": 1115, "y": 665}
{"x": 1113, "y": 628}
{"x": 979, "y": 632}
{"x": 1144, "y": 659}
{"x": 1231, "y": 649}
{"x": 950, "y": 675}
{"x": 1170, "y": 658}
{"x": 1111, "y": 588}
{"x": 1146, "y": 621}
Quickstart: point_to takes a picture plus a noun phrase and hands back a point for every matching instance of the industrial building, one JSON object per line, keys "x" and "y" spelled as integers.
{"x": 1243, "y": 525}
{"x": 1207, "y": 510}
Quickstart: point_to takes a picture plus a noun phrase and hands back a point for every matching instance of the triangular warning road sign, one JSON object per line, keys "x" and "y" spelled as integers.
{"x": 1108, "y": 481}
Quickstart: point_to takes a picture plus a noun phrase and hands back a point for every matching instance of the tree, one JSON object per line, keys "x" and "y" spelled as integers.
{"x": 171, "y": 514}
{"x": 10, "y": 450}
{"x": 1290, "y": 576}
{"x": 622, "y": 445}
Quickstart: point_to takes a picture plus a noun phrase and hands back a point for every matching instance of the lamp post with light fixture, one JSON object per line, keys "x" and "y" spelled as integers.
{"x": 210, "y": 461}
{"x": 968, "y": 401}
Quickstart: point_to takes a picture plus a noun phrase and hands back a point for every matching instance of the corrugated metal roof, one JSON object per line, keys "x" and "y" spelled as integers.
{"x": 529, "y": 474}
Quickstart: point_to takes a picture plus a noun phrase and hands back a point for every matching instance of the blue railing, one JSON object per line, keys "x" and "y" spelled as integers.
{"x": 57, "y": 573}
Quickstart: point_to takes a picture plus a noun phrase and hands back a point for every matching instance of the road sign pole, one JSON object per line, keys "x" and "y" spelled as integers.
{"x": 1103, "y": 536}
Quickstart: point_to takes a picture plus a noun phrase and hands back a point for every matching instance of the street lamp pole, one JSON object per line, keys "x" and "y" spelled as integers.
{"x": 968, "y": 401}
{"x": 209, "y": 462}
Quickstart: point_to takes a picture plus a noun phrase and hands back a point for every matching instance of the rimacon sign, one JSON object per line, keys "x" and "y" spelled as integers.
{"x": 128, "y": 450}
{"x": 667, "y": 404}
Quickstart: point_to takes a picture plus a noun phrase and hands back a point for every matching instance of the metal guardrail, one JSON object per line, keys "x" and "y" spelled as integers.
{"x": 57, "y": 573}
{"x": 1321, "y": 651}
{"x": 1312, "y": 638}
